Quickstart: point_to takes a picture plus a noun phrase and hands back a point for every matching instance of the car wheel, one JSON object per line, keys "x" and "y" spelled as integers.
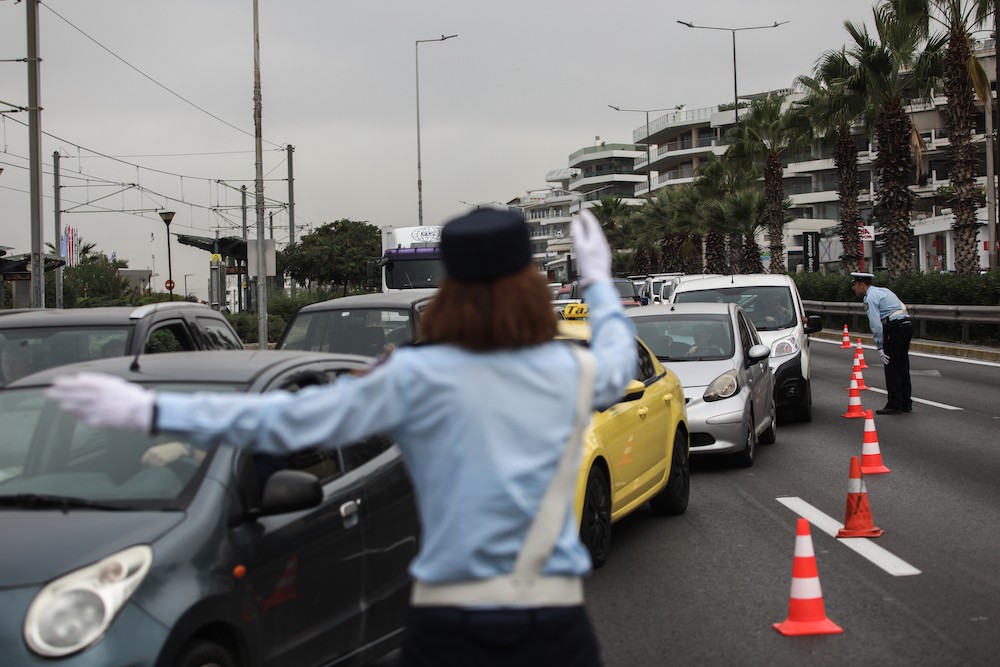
{"x": 595, "y": 525}
{"x": 673, "y": 499}
{"x": 205, "y": 654}
{"x": 804, "y": 412}
{"x": 770, "y": 435}
{"x": 746, "y": 458}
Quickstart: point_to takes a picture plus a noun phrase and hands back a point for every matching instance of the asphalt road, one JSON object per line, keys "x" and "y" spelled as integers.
{"x": 704, "y": 588}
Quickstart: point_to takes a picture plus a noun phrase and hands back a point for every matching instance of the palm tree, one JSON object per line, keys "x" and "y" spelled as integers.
{"x": 718, "y": 179}
{"x": 746, "y": 212}
{"x": 964, "y": 80}
{"x": 765, "y": 135}
{"x": 831, "y": 108}
{"x": 612, "y": 212}
{"x": 897, "y": 62}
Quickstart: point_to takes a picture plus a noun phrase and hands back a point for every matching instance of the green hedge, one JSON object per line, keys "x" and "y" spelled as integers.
{"x": 911, "y": 288}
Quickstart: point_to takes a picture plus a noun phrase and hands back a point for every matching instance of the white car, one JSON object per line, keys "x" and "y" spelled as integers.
{"x": 773, "y": 304}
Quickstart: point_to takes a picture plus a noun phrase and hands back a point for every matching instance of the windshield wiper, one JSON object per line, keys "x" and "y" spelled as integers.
{"x": 45, "y": 501}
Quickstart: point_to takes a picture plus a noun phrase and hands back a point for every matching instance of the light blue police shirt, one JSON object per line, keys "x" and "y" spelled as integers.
{"x": 881, "y": 303}
{"x": 481, "y": 435}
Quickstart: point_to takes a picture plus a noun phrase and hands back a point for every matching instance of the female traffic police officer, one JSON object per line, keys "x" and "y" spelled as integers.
{"x": 489, "y": 417}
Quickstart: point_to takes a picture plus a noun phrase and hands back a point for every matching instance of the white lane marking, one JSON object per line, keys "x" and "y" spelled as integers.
{"x": 863, "y": 546}
{"x": 928, "y": 355}
{"x": 943, "y": 406}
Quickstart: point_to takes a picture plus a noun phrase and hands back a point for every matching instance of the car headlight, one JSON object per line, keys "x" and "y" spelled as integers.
{"x": 74, "y": 611}
{"x": 722, "y": 387}
{"x": 784, "y": 347}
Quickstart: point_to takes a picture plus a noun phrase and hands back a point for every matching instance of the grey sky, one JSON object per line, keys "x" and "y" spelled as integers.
{"x": 522, "y": 86}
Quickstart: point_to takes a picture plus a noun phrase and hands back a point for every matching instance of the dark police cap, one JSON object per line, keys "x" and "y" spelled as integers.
{"x": 859, "y": 277}
{"x": 485, "y": 244}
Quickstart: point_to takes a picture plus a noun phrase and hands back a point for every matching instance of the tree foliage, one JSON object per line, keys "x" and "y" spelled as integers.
{"x": 335, "y": 254}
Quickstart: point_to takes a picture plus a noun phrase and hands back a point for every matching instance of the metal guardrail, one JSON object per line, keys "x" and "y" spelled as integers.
{"x": 921, "y": 314}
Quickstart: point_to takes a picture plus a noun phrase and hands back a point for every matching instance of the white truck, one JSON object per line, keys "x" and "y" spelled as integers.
{"x": 411, "y": 259}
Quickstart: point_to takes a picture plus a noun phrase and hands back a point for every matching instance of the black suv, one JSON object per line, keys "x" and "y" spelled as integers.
{"x": 35, "y": 339}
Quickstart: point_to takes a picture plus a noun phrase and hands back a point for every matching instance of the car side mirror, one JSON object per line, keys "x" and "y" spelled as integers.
{"x": 813, "y": 324}
{"x": 757, "y": 353}
{"x": 634, "y": 390}
{"x": 290, "y": 491}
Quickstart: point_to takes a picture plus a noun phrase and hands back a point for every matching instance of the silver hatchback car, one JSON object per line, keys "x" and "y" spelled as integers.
{"x": 718, "y": 356}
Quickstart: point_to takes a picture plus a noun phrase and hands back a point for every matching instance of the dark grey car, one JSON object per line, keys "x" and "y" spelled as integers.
{"x": 368, "y": 324}
{"x": 35, "y": 339}
{"x": 113, "y": 557}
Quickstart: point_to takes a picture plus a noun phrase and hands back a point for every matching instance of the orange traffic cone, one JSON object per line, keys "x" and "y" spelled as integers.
{"x": 806, "y": 611}
{"x": 871, "y": 456}
{"x": 856, "y": 374}
{"x": 847, "y": 339}
{"x": 860, "y": 354}
{"x": 858, "y": 517}
{"x": 854, "y": 402}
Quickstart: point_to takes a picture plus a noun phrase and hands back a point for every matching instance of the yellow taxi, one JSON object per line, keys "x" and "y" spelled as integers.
{"x": 635, "y": 451}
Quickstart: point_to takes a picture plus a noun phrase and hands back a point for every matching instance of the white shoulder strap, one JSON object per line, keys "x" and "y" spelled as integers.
{"x": 548, "y": 523}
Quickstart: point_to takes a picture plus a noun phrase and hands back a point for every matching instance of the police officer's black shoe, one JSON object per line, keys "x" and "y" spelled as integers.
{"x": 889, "y": 411}
{"x": 909, "y": 409}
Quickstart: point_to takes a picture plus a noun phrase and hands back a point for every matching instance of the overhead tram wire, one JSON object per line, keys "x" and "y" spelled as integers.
{"x": 139, "y": 71}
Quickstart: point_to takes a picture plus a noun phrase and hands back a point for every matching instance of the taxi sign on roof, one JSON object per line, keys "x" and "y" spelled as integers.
{"x": 575, "y": 311}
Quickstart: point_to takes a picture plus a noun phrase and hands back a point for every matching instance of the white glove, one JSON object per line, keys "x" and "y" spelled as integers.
{"x": 885, "y": 357}
{"x": 593, "y": 254}
{"x": 104, "y": 401}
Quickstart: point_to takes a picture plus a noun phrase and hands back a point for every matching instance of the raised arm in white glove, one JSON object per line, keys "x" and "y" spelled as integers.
{"x": 593, "y": 254}
{"x": 105, "y": 401}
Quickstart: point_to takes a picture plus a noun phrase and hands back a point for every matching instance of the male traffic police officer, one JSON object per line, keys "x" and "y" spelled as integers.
{"x": 489, "y": 418}
{"x": 891, "y": 331}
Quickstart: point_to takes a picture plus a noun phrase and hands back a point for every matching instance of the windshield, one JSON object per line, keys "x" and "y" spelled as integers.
{"x": 769, "y": 307}
{"x": 46, "y": 455}
{"x": 625, "y": 288}
{"x": 414, "y": 273}
{"x": 26, "y": 351}
{"x": 365, "y": 331}
{"x": 687, "y": 337}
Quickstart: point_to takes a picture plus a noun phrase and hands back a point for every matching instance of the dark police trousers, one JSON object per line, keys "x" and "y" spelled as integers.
{"x": 896, "y": 336}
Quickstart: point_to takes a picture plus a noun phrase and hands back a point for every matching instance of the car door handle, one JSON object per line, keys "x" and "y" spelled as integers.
{"x": 350, "y": 508}
{"x": 642, "y": 412}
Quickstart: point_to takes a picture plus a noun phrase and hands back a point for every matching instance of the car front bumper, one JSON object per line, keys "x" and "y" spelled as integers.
{"x": 717, "y": 427}
{"x": 790, "y": 387}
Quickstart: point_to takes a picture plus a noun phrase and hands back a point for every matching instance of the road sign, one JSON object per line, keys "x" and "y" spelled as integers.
{"x": 169, "y": 285}
{"x": 216, "y": 257}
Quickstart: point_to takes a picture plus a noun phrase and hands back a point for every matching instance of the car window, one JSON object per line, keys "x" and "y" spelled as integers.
{"x": 24, "y": 351}
{"x": 219, "y": 335}
{"x": 46, "y": 451}
{"x": 769, "y": 307}
{"x": 364, "y": 331}
{"x": 170, "y": 337}
{"x": 647, "y": 369}
{"x": 746, "y": 339}
{"x": 687, "y": 336}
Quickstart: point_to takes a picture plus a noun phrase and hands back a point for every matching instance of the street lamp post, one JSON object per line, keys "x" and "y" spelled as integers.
{"x": 167, "y": 217}
{"x": 736, "y": 97}
{"x": 649, "y": 157}
{"x": 420, "y": 182}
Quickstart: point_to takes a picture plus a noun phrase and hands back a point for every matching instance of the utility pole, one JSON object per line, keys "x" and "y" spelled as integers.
{"x": 35, "y": 160}
{"x": 57, "y": 214}
{"x": 259, "y": 187}
{"x": 291, "y": 207}
{"x": 244, "y": 270}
